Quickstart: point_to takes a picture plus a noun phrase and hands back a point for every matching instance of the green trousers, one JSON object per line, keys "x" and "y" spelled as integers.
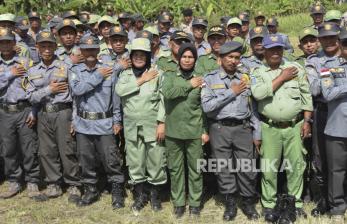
{"x": 275, "y": 143}
{"x": 181, "y": 152}
{"x": 146, "y": 161}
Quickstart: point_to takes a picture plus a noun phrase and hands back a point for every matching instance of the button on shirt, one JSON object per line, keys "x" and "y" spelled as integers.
{"x": 334, "y": 89}
{"x": 288, "y": 100}
{"x": 11, "y": 86}
{"x": 94, "y": 93}
{"x": 220, "y": 102}
{"x": 39, "y": 78}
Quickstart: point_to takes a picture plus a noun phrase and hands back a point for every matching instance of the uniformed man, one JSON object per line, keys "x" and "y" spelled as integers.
{"x": 259, "y": 18}
{"x": 7, "y": 20}
{"x": 80, "y": 30}
{"x": 284, "y": 104}
{"x": 110, "y": 10}
{"x": 52, "y": 25}
{"x": 104, "y": 26}
{"x": 315, "y": 63}
{"x": 125, "y": 20}
{"x": 157, "y": 50}
{"x": 317, "y": 13}
{"x": 145, "y": 151}
{"x": 170, "y": 63}
{"x": 164, "y": 25}
{"x": 35, "y": 24}
{"x": 18, "y": 119}
{"x": 216, "y": 37}
{"x": 97, "y": 121}
{"x": 67, "y": 33}
{"x": 256, "y": 59}
{"x": 139, "y": 23}
{"x": 308, "y": 44}
{"x": 333, "y": 16}
{"x": 93, "y": 24}
{"x": 199, "y": 27}
{"x": 333, "y": 83}
{"x": 224, "y": 20}
{"x": 48, "y": 88}
{"x": 233, "y": 127}
{"x": 84, "y": 17}
{"x": 272, "y": 26}
{"x": 234, "y": 28}
{"x": 22, "y": 27}
{"x": 244, "y": 17}
{"x": 186, "y": 24}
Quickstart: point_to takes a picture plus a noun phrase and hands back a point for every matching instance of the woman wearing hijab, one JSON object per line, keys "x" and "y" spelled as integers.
{"x": 144, "y": 116}
{"x": 184, "y": 130}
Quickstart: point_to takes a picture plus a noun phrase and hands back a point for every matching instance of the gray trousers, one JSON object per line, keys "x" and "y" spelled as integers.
{"x": 234, "y": 143}
{"x": 19, "y": 147}
{"x": 103, "y": 148}
{"x": 58, "y": 148}
{"x": 337, "y": 171}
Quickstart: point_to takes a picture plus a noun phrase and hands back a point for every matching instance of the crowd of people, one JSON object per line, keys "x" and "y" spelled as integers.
{"x": 131, "y": 102}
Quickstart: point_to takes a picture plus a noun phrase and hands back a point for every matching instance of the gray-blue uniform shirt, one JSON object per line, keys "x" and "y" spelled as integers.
{"x": 30, "y": 42}
{"x": 12, "y": 89}
{"x": 92, "y": 93}
{"x": 334, "y": 90}
{"x": 203, "y": 48}
{"x": 220, "y": 102}
{"x": 251, "y": 62}
{"x": 39, "y": 78}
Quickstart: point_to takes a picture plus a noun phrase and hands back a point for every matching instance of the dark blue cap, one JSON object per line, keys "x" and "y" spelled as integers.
{"x": 230, "y": 46}
{"x": 328, "y": 29}
{"x": 89, "y": 42}
{"x": 273, "y": 40}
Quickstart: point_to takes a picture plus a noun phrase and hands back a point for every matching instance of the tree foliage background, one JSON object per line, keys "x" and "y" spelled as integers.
{"x": 209, "y": 9}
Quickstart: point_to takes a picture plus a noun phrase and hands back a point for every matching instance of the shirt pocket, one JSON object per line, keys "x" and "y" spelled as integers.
{"x": 292, "y": 89}
{"x": 37, "y": 80}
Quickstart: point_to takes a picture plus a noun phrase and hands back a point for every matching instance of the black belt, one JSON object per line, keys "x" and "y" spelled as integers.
{"x": 282, "y": 124}
{"x": 229, "y": 122}
{"x": 94, "y": 115}
{"x": 15, "y": 108}
{"x": 53, "y": 108}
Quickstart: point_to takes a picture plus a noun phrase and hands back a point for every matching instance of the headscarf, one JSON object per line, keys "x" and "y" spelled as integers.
{"x": 139, "y": 71}
{"x": 183, "y": 48}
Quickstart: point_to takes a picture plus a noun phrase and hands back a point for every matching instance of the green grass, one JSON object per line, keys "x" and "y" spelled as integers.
{"x": 20, "y": 209}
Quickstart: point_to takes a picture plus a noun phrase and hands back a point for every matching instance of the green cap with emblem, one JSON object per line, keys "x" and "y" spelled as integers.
{"x": 234, "y": 20}
{"x": 153, "y": 29}
{"x": 141, "y": 44}
{"x": 106, "y": 18}
{"x": 34, "y": 15}
{"x": 180, "y": 35}
{"x": 144, "y": 34}
{"x": 93, "y": 18}
{"x": 45, "y": 36}
{"x": 6, "y": 34}
{"x": 216, "y": 30}
{"x": 118, "y": 31}
{"x": 308, "y": 31}
{"x": 66, "y": 23}
{"x": 259, "y": 14}
{"x": 8, "y": 17}
{"x": 332, "y": 15}
{"x": 89, "y": 41}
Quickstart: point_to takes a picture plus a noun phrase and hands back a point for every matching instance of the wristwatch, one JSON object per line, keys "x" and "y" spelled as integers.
{"x": 308, "y": 120}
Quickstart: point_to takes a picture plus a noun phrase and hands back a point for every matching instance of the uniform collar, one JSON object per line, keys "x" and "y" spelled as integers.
{"x": 223, "y": 74}
{"x": 283, "y": 63}
{"x": 55, "y": 63}
{"x": 15, "y": 59}
{"x": 85, "y": 68}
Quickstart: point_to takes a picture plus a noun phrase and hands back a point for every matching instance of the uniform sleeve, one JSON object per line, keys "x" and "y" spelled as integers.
{"x": 35, "y": 94}
{"x": 126, "y": 85}
{"x": 330, "y": 90}
{"x": 306, "y": 97}
{"x": 161, "y": 111}
{"x": 171, "y": 90}
{"x": 199, "y": 67}
{"x": 255, "y": 121}
{"x": 211, "y": 101}
{"x": 288, "y": 46}
{"x": 5, "y": 78}
{"x": 260, "y": 86}
{"x": 313, "y": 79}
{"x": 82, "y": 86}
{"x": 116, "y": 103}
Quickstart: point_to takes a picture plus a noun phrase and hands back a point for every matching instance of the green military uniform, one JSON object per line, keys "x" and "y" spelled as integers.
{"x": 143, "y": 107}
{"x": 184, "y": 127}
{"x": 167, "y": 63}
{"x": 206, "y": 64}
{"x": 283, "y": 105}
{"x": 103, "y": 45}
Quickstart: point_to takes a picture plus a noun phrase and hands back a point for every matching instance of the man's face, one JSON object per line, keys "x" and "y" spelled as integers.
{"x": 7, "y": 46}
{"x": 216, "y": 41}
{"x": 118, "y": 43}
{"x": 317, "y": 18}
{"x": 199, "y": 31}
{"x": 259, "y": 21}
{"x": 257, "y": 46}
{"x": 91, "y": 54}
{"x": 245, "y": 27}
{"x": 46, "y": 50}
{"x": 80, "y": 33}
{"x": 188, "y": 19}
{"x": 155, "y": 41}
{"x": 343, "y": 47}
{"x": 35, "y": 23}
{"x": 175, "y": 45}
{"x": 126, "y": 23}
{"x": 274, "y": 55}
{"x": 272, "y": 29}
{"x": 67, "y": 36}
{"x": 330, "y": 44}
{"x": 7, "y": 24}
{"x": 230, "y": 61}
{"x": 105, "y": 28}
{"x": 139, "y": 24}
{"x": 309, "y": 45}
{"x": 164, "y": 27}
{"x": 234, "y": 30}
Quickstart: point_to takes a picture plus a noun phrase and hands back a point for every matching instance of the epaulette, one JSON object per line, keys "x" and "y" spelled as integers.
{"x": 212, "y": 72}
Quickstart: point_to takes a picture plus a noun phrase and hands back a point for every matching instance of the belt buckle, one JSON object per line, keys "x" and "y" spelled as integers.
{"x": 92, "y": 115}
{"x": 12, "y": 108}
{"x": 49, "y": 108}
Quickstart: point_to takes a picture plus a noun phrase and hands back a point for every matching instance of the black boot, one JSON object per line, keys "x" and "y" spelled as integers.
{"x": 230, "y": 208}
{"x": 90, "y": 196}
{"x": 288, "y": 210}
{"x": 117, "y": 195}
{"x": 248, "y": 208}
{"x": 179, "y": 211}
{"x": 155, "y": 198}
{"x": 321, "y": 208}
{"x": 141, "y": 198}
